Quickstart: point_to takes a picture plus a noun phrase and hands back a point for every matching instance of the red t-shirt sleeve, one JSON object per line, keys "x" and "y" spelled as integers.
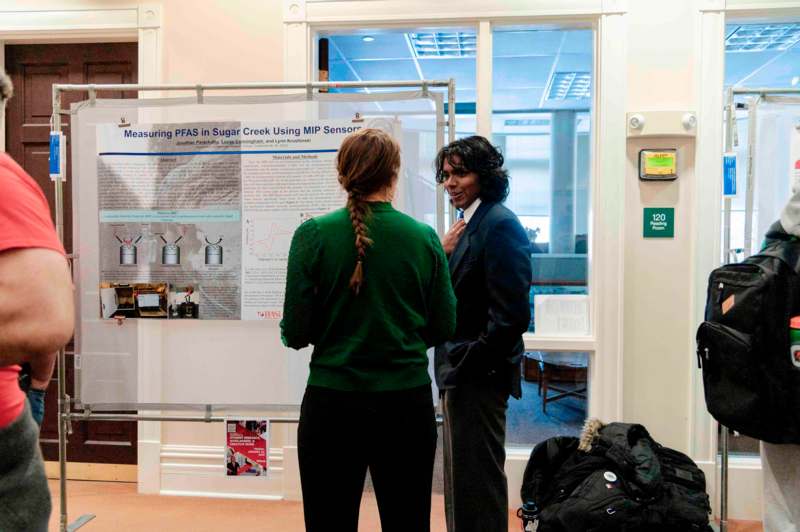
{"x": 24, "y": 214}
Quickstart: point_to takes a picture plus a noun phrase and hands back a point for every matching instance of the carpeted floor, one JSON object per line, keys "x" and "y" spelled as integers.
{"x": 527, "y": 425}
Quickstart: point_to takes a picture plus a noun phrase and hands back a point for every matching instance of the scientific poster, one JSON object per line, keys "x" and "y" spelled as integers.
{"x": 196, "y": 219}
{"x": 246, "y": 447}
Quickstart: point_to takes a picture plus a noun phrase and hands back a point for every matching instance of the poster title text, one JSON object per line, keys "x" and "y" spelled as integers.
{"x": 276, "y": 131}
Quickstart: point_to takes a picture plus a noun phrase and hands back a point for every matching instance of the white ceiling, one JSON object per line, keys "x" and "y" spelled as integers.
{"x": 524, "y": 63}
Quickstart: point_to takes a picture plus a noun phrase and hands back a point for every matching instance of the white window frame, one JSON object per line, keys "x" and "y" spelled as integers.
{"x": 303, "y": 19}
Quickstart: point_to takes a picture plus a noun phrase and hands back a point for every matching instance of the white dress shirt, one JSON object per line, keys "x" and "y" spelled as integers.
{"x": 469, "y": 211}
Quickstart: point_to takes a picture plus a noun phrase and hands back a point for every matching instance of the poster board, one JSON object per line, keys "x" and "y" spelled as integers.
{"x": 230, "y": 363}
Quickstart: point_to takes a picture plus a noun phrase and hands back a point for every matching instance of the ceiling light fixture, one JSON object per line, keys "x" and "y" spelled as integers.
{"x": 763, "y": 38}
{"x": 569, "y": 86}
{"x": 444, "y": 44}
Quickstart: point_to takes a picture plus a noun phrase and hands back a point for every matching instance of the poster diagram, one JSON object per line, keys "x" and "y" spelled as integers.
{"x": 246, "y": 447}
{"x": 208, "y": 209}
{"x": 269, "y": 238}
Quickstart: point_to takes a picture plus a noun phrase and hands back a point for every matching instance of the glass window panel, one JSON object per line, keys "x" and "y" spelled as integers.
{"x": 554, "y": 398}
{"x": 386, "y": 55}
{"x": 523, "y": 128}
{"x": 545, "y": 135}
{"x": 411, "y": 54}
{"x": 546, "y": 143}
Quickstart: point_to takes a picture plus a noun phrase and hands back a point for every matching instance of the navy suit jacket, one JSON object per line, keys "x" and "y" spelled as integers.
{"x": 490, "y": 268}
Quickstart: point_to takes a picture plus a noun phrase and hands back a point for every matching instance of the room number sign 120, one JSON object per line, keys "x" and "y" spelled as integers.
{"x": 659, "y": 222}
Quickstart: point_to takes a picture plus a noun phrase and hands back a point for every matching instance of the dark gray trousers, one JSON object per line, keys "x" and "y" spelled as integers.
{"x": 24, "y": 495}
{"x": 475, "y": 485}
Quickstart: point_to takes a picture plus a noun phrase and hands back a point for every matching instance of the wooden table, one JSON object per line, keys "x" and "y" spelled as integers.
{"x": 550, "y": 361}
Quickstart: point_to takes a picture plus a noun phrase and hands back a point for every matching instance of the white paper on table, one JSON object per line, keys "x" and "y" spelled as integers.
{"x": 561, "y": 314}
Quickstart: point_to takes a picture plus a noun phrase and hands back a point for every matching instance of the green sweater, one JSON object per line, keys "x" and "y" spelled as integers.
{"x": 376, "y": 340}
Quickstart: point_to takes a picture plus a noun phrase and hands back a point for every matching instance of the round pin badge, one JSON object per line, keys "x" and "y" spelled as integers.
{"x": 609, "y": 476}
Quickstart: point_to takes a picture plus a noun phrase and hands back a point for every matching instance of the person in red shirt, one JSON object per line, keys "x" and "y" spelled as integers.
{"x": 36, "y": 320}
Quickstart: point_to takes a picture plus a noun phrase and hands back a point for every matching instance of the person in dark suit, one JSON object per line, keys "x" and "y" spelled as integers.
{"x": 233, "y": 465}
{"x": 489, "y": 259}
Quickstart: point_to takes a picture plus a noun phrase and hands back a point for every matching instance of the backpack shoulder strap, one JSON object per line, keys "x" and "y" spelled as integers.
{"x": 782, "y": 246}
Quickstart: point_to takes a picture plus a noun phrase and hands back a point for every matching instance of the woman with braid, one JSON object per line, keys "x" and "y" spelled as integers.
{"x": 369, "y": 287}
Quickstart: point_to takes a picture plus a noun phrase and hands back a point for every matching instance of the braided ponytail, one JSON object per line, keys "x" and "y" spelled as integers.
{"x": 367, "y": 162}
{"x": 359, "y": 210}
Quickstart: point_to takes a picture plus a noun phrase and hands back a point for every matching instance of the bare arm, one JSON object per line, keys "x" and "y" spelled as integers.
{"x": 36, "y": 309}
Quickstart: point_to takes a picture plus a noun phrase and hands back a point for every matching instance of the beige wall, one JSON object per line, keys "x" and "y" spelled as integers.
{"x": 203, "y": 41}
{"x": 658, "y": 321}
{"x": 219, "y": 41}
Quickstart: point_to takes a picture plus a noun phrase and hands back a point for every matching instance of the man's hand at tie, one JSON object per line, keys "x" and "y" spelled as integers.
{"x": 452, "y": 236}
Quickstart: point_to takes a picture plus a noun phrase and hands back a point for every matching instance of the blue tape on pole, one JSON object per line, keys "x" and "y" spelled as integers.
{"x": 729, "y": 174}
{"x": 55, "y": 154}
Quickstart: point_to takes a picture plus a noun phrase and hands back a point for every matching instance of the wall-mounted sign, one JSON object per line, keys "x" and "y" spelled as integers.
{"x": 246, "y": 447}
{"x": 659, "y": 165}
{"x": 659, "y": 222}
{"x": 729, "y": 174}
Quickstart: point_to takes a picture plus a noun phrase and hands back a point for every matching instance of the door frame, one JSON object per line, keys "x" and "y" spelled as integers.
{"x": 304, "y": 18}
{"x": 140, "y": 23}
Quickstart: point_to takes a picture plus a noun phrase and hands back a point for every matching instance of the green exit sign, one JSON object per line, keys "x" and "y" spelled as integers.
{"x": 659, "y": 222}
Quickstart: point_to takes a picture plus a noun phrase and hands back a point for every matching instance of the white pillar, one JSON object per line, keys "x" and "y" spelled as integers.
{"x": 483, "y": 107}
{"x": 562, "y": 182}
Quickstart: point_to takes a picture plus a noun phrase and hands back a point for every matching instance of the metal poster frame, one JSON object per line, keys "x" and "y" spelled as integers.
{"x": 731, "y": 140}
{"x": 65, "y": 402}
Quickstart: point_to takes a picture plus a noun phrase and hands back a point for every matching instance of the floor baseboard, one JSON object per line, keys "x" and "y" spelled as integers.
{"x": 87, "y": 471}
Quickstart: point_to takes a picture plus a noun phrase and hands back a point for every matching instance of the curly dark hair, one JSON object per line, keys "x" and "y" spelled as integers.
{"x": 476, "y": 154}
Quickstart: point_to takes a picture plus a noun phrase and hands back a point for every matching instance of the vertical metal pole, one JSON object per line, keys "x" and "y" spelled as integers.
{"x": 730, "y": 123}
{"x": 64, "y": 406}
{"x": 730, "y": 134}
{"x": 723, "y": 505}
{"x": 451, "y": 130}
{"x": 440, "y": 125}
{"x": 451, "y": 110}
{"x": 63, "y": 400}
{"x": 752, "y": 118}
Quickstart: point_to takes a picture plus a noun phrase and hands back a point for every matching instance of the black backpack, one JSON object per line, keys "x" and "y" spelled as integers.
{"x": 751, "y": 384}
{"x": 624, "y": 481}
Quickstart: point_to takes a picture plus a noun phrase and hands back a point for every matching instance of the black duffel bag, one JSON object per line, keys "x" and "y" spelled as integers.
{"x": 615, "y": 478}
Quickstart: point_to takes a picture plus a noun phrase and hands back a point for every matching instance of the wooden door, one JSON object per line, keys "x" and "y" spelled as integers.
{"x": 34, "y": 69}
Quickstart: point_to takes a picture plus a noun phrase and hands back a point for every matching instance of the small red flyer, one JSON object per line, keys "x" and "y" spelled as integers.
{"x": 246, "y": 447}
